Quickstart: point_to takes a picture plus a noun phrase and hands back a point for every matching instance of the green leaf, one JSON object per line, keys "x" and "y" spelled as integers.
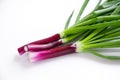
{"x": 77, "y": 28}
{"x": 110, "y": 3}
{"x": 116, "y": 11}
{"x": 112, "y": 0}
{"x": 95, "y": 32}
{"x": 104, "y": 56}
{"x": 68, "y": 20}
{"x": 81, "y": 10}
{"x": 97, "y": 5}
{"x": 108, "y": 44}
{"x": 110, "y": 32}
{"x": 104, "y": 39}
{"x": 113, "y": 35}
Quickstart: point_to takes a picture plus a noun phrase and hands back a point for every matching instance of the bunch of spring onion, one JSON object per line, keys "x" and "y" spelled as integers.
{"x": 99, "y": 29}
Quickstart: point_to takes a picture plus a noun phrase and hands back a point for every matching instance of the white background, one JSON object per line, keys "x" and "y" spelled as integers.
{"x": 23, "y": 21}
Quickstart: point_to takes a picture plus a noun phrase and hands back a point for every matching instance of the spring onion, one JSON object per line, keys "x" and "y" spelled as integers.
{"x": 99, "y": 29}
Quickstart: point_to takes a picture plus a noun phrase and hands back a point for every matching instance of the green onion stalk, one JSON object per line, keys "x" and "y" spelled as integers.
{"x": 99, "y": 29}
{"x": 59, "y": 38}
{"x": 54, "y": 40}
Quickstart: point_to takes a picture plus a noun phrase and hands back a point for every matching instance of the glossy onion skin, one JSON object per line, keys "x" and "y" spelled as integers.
{"x": 54, "y": 52}
{"x": 50, "y": 39}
